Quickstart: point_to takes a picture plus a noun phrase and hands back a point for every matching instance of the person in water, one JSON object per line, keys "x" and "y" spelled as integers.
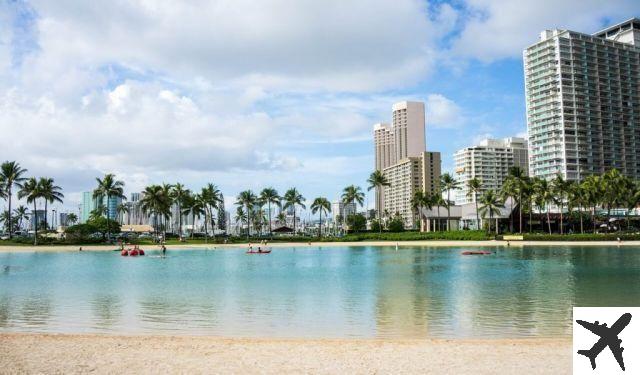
{"x": 164, "y": 250}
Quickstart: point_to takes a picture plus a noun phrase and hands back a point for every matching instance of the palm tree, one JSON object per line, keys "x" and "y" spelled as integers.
{"x": 576, "y": 198}
{"x": 157, "y": 202}
{"x": 560, "y": 190}
{"x": 351, "y": 195}
{"x": 473, "y": 188}
{"x": 109, "y": 187}
{"x": 378, "y": 181}
{"x": 50, "y": 193}
{"x": 247, "y": 199}
{"x": 121, "y": 210}
{"x": 320, "y": 204}
{"x": 509, "y": 190}
{"x": 592, "y": 189}
{"x": 543, "y": 197}
{"x": 421, "y": 200}
{"x": 491, "y": 204}
{"x": 448, "y": 183}
{"x": 268, "y": 196}
{"x": 241, "y": 216}
{"x": 520, "y": 180}
{"x": 21, "y": 213}
{"x": 194, "y": 206}
{"x": 30, "y": 190}
{"x": 293, "y": 198}
{"x": 11, "y": 174}
{"x": 72, "y": 218}
{"x": 178, "y": 195}
{"x": 438, "y": 201}
{"x": 631, "y": 194}
{"x": 211, "y": 197}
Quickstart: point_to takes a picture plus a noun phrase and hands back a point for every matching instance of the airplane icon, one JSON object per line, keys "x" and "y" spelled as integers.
{"x": 608, "y": 337}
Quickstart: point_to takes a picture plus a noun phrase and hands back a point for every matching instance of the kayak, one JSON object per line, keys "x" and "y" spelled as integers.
{"x": 259, "y": 252}
{"x": 477, "y": 252}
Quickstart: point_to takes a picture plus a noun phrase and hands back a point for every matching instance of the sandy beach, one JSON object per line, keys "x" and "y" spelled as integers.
{"x": 401, "y": 244}
{"x": 102, "y": 354}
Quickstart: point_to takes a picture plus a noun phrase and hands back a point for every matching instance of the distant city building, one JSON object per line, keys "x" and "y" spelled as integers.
{"x": 583, "y": 102}
{"x": 89, "y": 204}
{"x": 490, "y": 162}
{"x": 64, "y": 219}
{"x": 344, "y": 210}
{"x": 37, "y": 216}
{"x": 408, "y": 176}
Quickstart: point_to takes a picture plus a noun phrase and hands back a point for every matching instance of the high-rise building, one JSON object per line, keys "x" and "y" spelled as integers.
{"x": 583, "y": 102}
{"x": 344, "y": 210}
{"x": 489, "y": 162}
{"x": 408, "y": 129}
{"x": 385, "y": 151}
{"x": 89, "y": 203}
{"x": 405, "y": 138}
{"x": 405, "y": 178}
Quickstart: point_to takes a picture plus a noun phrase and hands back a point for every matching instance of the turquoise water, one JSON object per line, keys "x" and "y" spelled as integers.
{"x": 363, "y": 292}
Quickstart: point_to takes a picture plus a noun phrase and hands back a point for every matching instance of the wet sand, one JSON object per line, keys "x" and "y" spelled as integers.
{"x": 102, "y": 354}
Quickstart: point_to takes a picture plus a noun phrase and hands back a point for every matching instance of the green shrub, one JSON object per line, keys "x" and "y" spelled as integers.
{"x": 583, "y": 237}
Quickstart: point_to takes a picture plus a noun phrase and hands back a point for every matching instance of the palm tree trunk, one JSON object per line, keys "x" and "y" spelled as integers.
{"x": 10, "y": 229}
{"x": 530, "y": 218}
{"x": 561, "y": 219}
{"x": 320, "y": 229}
{"x": 439, "y": 227}
{"x": 593, "y": 218}
{"x": 548, "y": 220}
{"x": 448, "y": 211}
{"x": 475, "y": 198}
{"x": 35, "y": 226}
{"x": 108, "y": 223}
{"x": 511, "y": 214}
{"x": 46, "y": 212}
{"x": 520, "y": 210}
{"x": 193, "y": 222}
{"x": 248, "y": 223}
{"x": 179, "y": 221}
{"x": 270, "y": 231}
{"x": 206, "y": 238}
{"x": 294, "y": 219}
{"x": 581, "y": 227}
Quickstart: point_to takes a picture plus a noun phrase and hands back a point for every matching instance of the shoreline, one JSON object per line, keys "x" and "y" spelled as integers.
{"x": 97, "y": 353}
{"x": 401, "y": 244}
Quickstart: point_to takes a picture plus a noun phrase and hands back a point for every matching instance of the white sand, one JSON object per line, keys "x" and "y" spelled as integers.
{"x": 102, "y": 354}
{"x": 401, "y": 244}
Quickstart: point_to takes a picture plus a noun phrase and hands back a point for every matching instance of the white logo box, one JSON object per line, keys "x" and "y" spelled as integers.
{"x": 584, "y": 339}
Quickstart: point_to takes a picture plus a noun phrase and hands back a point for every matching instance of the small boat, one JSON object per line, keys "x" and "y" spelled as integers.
{"x": 258, "y": 251}
{"x": 134, "y": 253}
{"x": 476, "y": 252}
{"x": 140, "y": 252}
{"x": 124, "y": 253}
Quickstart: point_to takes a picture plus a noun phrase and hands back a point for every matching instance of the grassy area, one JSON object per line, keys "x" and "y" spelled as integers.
{"x": 463, "y": 235}
{"x": 583, "y": 237}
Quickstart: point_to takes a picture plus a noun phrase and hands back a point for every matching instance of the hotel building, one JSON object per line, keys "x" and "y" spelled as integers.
{"x": 400, "y": 154}
{"x": 490, "y": 162}
{"x": 583, "y": 102}
{"x": 409, "y": 175}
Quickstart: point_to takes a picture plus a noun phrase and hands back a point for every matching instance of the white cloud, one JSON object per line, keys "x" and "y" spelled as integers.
{"x": 496, "y": 29}
{"x": 442, "y": 112}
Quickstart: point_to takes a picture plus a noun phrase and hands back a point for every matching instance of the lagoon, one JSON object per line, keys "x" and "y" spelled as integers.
{"x": 316, "y": 292}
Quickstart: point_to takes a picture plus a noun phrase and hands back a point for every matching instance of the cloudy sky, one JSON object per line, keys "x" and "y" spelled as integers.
{"x": 248, "y": 94}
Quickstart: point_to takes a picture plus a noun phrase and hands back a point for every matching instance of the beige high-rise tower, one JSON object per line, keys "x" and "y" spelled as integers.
{"x": 408, "y": 129}
{"x": 400, "y": 153}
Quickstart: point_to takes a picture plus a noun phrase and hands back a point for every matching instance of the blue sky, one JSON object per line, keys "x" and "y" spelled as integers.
{"x": 248, "y": 95}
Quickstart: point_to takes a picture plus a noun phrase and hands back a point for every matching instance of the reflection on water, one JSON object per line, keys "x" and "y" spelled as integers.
{"x": 107, "y": 310}
{"x": 314, "y": 292}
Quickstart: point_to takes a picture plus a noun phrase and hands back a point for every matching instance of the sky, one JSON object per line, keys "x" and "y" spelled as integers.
{"x": 248, "y": 94}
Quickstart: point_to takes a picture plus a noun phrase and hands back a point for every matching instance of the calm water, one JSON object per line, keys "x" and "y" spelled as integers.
{"x": 310, "y": 292}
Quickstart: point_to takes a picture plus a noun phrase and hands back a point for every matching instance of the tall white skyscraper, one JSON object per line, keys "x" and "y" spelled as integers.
{"x": 385, "y": 151}
{"x": 583, "y": 102}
